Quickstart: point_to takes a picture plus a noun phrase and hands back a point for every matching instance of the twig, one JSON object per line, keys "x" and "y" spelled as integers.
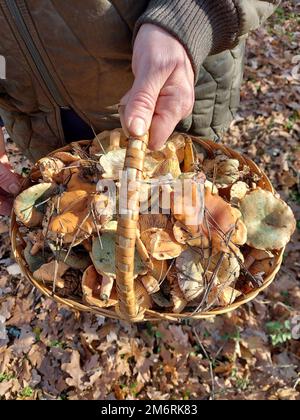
{"x": 96, "y": 225}
{"x": 211, "y": 363}
{"x": 76, "y": 235}
{"x": 98, "y": 140}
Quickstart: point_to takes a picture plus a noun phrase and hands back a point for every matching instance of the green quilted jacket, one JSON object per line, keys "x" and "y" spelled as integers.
{"x": 74, "y": 54}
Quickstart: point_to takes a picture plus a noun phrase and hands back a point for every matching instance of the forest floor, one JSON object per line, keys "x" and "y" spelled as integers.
{"x": 47, "y": 352}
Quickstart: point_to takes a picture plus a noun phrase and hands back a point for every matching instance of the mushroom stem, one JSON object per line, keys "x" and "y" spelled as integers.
{"x": 106, "y": 287}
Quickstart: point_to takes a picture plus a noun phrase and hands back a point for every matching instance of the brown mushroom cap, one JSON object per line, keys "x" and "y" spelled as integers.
{"x": 264, "y": 267}
{"x": 190, "y": 274}
{"x": 270, "y": 222}
{"x": 257, "y": 255}
{"x": 220, "y": 215}
{"x": 50, "y": 168}
{"x": 224, "y": 170}
{"x": 187, "y": 202}
{"x": 161, "y": 244}
{"x": 46, "y": 273}
{"x": 76, "y": 182}
{"x": 229, "y": 266}
{"x": 227, "y": 295}
{"x": 73, "y": 218}
{"x": 66, "y": 157}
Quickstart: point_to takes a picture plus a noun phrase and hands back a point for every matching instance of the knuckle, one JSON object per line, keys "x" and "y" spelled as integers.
{"x": 144, "y": 101}
{"x": 188, "y": 102}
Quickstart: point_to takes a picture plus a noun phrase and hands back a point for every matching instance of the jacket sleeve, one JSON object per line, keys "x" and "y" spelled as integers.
{"x": 207, "y": 27}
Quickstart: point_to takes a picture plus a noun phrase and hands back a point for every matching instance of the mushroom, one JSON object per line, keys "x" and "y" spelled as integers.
{"x": 148, "y": 221}
{"x": 237, "y": 192}
{"x": 47, "y": 273}
{"x": 38, "y": 241}
{"x": 161, "y": 244}
{"x": 223, "y": 170}
{"x": 220, "y": 215}
{"x": 36, "y": 260}
{"x": 151, "y": 164}
{"x": 94, "y": 289}
{"x": 263, "y": 267}
{"x": 114, "y": 141}
{"x": 100, "y": 144}
{"x": 142, "y": 296}
{"x": 178, "y": 141}
{"x": 187, "y": 202}
{"x": 66, "y": 157}
{"x": 103, "y": 256}
{"x": 170, "y": 166}
{"x": 190, "y": 274}
{"x": 104, "y": 208}
{"x": 150, "y": 283}
{"x": 257, "y": 255}
{"x": 229, "y": 266}
{"x": 112, "y": 164}
{"x": 73, "y": 228}
{"x": 270, "y": 222}
{"x": 142, "y": 251}
{"x": 106, "y": 287}
{"x": 76, "y": 258}
{"x": 50, "y": 168}
{"x": 227, "y": 295}
{"x": 78, "y": 182}
{"x": 227, "y": 172}
{"x": 29, "y": 206}
{"x": 73, "y": 219}
{"x": 161, "y": 300}
{"x": 181, "y": 234}
{"x": 75, "y": 201}
{"x": 178, "y": 299}
{"x": 159, "y": 269}
{"x": 240, "y": 234}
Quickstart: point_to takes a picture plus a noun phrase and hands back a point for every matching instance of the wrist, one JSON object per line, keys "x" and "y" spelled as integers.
{"x": 202, "y": 26}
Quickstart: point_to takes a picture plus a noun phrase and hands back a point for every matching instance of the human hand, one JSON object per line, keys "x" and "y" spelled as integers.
{"x": 163, "y": 92}
{"x": 10, "y": 183}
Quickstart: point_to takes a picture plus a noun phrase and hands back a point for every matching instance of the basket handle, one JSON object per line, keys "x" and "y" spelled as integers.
{"x": 129, "y": 209}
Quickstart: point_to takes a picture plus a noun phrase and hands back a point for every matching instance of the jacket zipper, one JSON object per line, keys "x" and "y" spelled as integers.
{"x": 34, "y": 52}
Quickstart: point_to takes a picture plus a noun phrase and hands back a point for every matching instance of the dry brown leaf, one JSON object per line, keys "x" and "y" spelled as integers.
{"x": 73, "y": 369}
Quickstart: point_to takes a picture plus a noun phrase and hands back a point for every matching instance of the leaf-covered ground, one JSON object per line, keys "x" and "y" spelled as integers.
{"x": 47, "y": 352}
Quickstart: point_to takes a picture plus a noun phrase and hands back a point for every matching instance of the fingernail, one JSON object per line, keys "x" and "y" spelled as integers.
{"x": 138, "y": 127}
{"x": 14, "y": 189}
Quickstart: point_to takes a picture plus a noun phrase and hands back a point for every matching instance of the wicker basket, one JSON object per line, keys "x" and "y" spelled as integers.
{"x": 127, "y": 307}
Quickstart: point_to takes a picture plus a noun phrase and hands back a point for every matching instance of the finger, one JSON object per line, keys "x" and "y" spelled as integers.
{"x": 122, "y": 109}
{"x": 142, "y": 100}
{"x": 9, "y": 181}
{"x": 170, "y": 110}
{"x": 6, "y": 204}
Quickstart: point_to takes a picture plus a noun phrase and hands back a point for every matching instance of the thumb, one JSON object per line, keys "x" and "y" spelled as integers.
{"x": 141, "y": 102}
{"x": 9, "y": 181}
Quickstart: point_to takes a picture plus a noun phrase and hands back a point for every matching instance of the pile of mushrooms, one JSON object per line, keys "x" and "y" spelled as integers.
{"x": 202, "y": 254}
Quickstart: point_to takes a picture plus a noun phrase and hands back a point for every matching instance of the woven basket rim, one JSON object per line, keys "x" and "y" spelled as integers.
{"x": 149, "y": 315}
